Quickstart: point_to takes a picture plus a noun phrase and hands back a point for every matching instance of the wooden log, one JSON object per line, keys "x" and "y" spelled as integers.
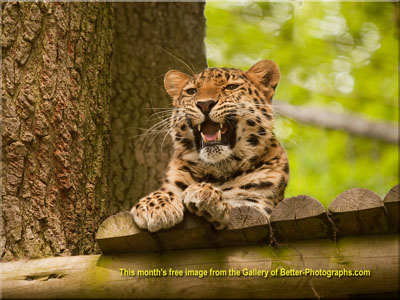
{"x": 193, "y": 232}
{"x": 100, "y": 276}
{"x": 358, "y": 211}
{"x": 300, "y": 217}
{"x": 392, "y": 205}
{"x": 120, "y": 234}
{"x": 247, "y": 226}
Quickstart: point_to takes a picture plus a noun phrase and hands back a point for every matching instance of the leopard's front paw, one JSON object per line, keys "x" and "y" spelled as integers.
{"x": 159, "y": 210}
{"x": 206, "y": 201}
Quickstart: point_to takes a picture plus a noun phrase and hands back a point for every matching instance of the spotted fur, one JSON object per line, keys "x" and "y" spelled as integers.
{"x": 247, "y": 166}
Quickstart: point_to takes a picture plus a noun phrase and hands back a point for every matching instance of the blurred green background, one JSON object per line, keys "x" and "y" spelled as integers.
{"x": 341, "y": 56}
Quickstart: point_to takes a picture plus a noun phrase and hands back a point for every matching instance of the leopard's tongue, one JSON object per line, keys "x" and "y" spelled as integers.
{"x": 211, "y": 138}
{"x": 210, "y": 130}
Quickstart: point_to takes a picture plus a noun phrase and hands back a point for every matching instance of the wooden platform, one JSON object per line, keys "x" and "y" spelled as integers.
{"x": 358, "y": 232}
{"x": 354, "y": 212}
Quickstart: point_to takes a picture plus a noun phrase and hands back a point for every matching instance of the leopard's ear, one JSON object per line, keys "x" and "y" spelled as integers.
{"x": 265, "y": 72}
{"x": 174, "y": 81}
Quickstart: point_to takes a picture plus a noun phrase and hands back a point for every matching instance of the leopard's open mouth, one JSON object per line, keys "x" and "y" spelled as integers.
{"x": 210, "y": 133}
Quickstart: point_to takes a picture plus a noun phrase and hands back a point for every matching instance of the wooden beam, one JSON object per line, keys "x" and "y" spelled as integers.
{"x": 100, "y": 275}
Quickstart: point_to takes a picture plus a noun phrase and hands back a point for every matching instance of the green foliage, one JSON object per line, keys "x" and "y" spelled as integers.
{"x": 343, "y": 56}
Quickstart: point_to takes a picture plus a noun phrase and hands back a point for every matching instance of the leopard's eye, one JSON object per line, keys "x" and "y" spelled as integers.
{"x": 232, "y": 87}
{"x": 191, "y": 91}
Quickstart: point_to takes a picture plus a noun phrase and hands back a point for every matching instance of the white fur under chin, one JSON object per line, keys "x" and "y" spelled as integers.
{"x": 215, "y": 154}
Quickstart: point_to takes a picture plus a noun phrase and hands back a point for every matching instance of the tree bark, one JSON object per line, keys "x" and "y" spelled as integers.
{"x": 150, "y": 39}
{"x": 56, "y": 84}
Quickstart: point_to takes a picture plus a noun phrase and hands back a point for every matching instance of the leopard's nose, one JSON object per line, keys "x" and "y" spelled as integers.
{"x": 206, "y": 106}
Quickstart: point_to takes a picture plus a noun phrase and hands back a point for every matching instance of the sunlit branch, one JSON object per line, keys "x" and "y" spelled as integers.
{"x": 350, "y": 123}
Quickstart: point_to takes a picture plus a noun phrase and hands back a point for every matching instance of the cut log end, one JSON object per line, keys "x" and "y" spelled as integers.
{"x": 358, "y": 211}
{"x": 298, "y": 207}
{"x": 354, "y": 200}
{"x": 392, "y": 195}
{"x": 118, "y": 225}
{"x": 300, "y": 217}
{"x": 392, "y": 205}
{"x": 246, "y": 216}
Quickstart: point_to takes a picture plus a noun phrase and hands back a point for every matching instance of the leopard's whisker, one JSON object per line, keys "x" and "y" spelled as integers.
{"x": 153, "y": 130}
{"x": 169, "y": 131}
{"x": 191, "y": 69}
{"x": 155, "y": 136}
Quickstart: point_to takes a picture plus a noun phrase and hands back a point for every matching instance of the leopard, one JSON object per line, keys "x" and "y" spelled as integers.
{"x": 225, "y": 153}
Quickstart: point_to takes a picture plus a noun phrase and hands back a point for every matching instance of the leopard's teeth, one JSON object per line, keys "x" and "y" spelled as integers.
{"x": 221, "y": 125}
{"x": 219, "y": 135}
{"x": 203, "y": 137}
{"x": 199, "y": 127}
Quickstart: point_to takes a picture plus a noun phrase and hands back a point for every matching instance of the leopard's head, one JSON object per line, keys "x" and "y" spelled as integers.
{"x": 223, "y": 113}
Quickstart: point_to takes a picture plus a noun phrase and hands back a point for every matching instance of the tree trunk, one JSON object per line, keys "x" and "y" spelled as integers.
{"x": 150, "y": 39}
{"x": 56, "y": 84}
